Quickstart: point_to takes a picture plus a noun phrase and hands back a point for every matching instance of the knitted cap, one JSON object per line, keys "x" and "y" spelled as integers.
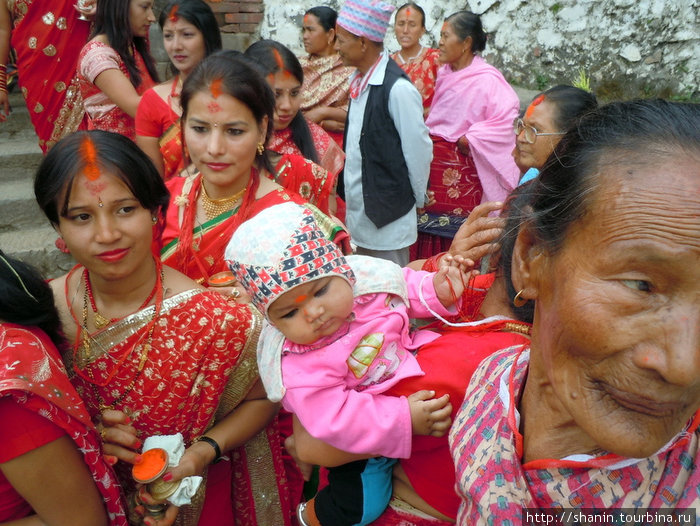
{"x": 366, "y": 18}
{"x": 279, "y": 249}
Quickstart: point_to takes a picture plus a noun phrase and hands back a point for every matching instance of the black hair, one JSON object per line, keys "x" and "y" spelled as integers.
{"x": 26, "y": 299}
{"x": 64, "y": 162}
{"x": 562, "y": 192}
{"x": 239, "y": 80}
{"x": 112, "y": 19}
{"x": 467, "y": 24}
{"x": 326, "y": 16}
{"x": 516, "y": 209}
{"x": 199, "y": 14}
{"x": 262, "y": 56}
{"x": 570, "y": 104}
{"x": 415, "y": 6}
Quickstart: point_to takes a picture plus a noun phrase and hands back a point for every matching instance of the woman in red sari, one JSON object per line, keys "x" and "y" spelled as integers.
{"x": 419, "y": 62}
{"x": 46, "y": 37}
{"x": 190, "y": 33}
{"x": 115, "y": 67}
{"x": 51, "y": 467}
{"x": 153, "y": 353}
{"x": 325, "y": 93}
{"x": 293, "y": 133}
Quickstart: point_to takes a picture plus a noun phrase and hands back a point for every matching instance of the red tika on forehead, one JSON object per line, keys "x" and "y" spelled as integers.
{"x": 88, "y": 154}
{"x": 408, "y": 11}
{"x": 215, "y": 88}
{"x": 538, "y": 100}
{"x": 172, "y": 16}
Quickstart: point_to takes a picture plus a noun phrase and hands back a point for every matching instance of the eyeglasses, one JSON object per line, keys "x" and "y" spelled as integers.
{"x": 531, "y": 132}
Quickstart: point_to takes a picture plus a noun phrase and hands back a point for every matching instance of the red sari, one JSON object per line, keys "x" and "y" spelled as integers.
{"x": 34, "y": 377}
{"x": 197, "y": 251}
{"x": 330, "y": 155}
{"x": 422, "y": 70}
{"x": 457, "y": 189}
{"x": 155, "y": 118}
{"x": 311, "y": 181}
{"x": 101, "y": 113}
{"x": 47, "y": 37}
{"x": 200, "y": 365}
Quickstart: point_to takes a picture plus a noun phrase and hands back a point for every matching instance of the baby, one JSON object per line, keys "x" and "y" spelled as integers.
{"x": 338, "y": 340}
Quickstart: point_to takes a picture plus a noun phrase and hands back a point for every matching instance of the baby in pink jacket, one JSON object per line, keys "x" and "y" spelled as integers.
{"x": 338, "y": 339}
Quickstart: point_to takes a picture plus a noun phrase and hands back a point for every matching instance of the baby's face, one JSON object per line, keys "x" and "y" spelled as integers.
{"x": 312, "y": 310}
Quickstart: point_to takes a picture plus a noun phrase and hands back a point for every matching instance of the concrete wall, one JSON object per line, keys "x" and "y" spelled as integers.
{"x": 628, "y": 48}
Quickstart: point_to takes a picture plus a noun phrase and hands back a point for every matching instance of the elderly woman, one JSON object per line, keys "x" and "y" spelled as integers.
{"x": 548, "y": 117}
{"x": 601, "y": 409}
{"x": 470, "y": 123}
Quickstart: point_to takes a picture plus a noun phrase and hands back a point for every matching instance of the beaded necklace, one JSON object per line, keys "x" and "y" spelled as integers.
{"x": 83, "y": 341}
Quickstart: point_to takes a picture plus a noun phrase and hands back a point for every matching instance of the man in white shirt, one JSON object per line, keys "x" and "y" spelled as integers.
{"x": 387, "y": 144}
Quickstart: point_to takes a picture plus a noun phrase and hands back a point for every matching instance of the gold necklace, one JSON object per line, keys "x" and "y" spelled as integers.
{"x": 216, "y": 207}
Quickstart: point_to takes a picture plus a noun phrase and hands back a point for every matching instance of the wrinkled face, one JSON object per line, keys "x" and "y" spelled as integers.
{"x": 222, "y": 135}
{"x": 451, "y": 47}
{"x": 287, "y": 89}
{"x": 316, "y": 39}
{"x": 312, "y": 310}
{"x": 349, "y": 47}
{"x": 540, "y": 117}
{"x": 617, "y": 323}
{"x": 408, "y": 27}
{"x": 105, "y": 227}
{"x": 141, "y": 17}
{"x": 183, "y": 43}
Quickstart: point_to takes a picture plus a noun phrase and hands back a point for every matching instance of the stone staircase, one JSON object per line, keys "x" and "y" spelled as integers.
{"x": 25, "y": 233}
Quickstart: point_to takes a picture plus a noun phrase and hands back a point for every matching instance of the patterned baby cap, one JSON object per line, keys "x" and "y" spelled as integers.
{"x": 279, "y": 249}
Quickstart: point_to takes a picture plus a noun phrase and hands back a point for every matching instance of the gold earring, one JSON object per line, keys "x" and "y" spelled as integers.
{"x": 519, "y": 301}
{"x": 261, "y": 148}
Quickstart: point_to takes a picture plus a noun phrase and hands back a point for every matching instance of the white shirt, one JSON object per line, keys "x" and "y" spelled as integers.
{"x": 406, "y": 110}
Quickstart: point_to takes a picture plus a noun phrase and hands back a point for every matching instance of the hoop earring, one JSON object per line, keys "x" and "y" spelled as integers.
{"x": 261, "y": 148}
{"x": 519, "y": 301}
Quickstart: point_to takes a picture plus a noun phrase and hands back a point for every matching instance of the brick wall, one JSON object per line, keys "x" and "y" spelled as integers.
{"x": 238, "y": 16}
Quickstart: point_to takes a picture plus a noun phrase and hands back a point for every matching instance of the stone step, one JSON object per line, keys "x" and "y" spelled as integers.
{"x": 18, "y": 207}
{"x": 20, "y": 156}
{"x": 18, "y": 121}
{"x": 36, "y": 247}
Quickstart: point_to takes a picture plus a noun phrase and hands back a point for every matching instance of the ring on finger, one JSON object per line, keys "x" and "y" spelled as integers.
{"x": 235, "y": 293}
{"x": 103, "y": 432}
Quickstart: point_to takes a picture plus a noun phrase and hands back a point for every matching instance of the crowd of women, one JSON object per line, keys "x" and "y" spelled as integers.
{"x": 572, "y": 363}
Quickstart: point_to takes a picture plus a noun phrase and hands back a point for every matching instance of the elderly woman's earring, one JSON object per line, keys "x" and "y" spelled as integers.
{"x": 518, "y": 301}
{"x": 261, "y": 148}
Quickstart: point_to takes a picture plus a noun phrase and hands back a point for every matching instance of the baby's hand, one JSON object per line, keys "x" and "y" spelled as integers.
{"x": 452, "y": 278}
{"x": 430, "y": 416}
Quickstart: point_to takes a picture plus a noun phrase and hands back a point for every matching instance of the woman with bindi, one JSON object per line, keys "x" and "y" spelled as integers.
{"x": 470, "y": 123}
{"x": 293, "y": 132}
{"x": 190, "y": 33}
{"x": 418, "y": 61}
{"x": 115, "y": 67}
{"x": 153, "y": 353}
{"x": 326, "y": 80}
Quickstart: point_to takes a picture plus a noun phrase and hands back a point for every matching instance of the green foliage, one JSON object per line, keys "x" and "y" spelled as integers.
{"x": 541, "y": 81}
{"x": 583, "y": 81}
{"x": 555, "y": 8}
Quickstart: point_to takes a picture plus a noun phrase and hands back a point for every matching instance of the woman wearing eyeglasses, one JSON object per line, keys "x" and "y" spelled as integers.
{"x": 470, "y": 123}
{"x": 548, "y": 117}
